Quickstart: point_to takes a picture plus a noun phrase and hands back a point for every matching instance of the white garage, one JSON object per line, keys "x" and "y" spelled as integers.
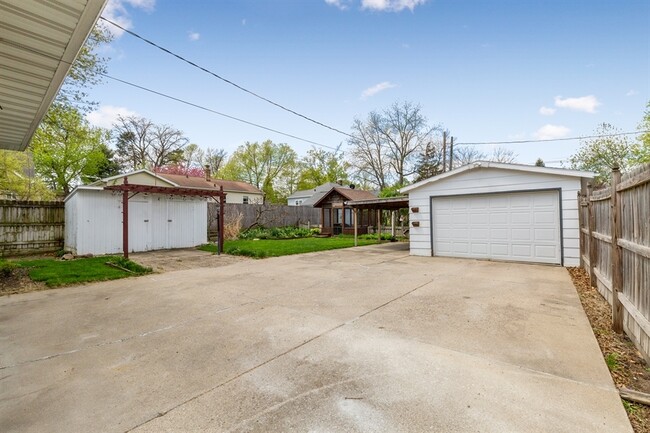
{"x": 498, "y": 211}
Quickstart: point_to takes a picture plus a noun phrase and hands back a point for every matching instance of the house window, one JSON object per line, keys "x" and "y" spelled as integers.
{"x": 337, "y": 215}
{"x": 298, "y": 202}
{"x": 245, "y": 199}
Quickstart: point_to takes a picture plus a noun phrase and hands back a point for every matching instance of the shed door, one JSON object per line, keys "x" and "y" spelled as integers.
{"x": 522, "y": 226}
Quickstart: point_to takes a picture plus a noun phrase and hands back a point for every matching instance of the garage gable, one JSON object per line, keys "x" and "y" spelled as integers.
{"x": 498, "y": 212}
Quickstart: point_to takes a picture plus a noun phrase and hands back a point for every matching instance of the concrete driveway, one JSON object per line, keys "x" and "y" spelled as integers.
{"x": 365, "y": 339}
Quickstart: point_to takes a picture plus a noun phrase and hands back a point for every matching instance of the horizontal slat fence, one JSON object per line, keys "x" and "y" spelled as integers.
{"x": 30, "y": 227}
{"x": 615, "y": 250}
{"x": 265, "y": 215}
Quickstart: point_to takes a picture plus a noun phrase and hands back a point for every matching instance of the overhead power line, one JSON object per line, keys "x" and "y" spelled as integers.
{"x": 551, "y": 139}
{"x": 214, "y": 74}
{"x": 210, "y": 110}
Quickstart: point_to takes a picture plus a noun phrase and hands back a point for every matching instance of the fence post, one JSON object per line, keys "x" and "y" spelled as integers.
{"x": 593, "y": 250}
{"x": 617, "y": 257}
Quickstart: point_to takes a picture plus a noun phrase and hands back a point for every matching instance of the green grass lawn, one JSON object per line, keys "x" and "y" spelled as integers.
{"x": 54, "y": 272}
{"x": 283, "y": 247}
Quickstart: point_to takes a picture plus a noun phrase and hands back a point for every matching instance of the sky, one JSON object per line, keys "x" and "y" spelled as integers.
{"x": 486, "y": 71}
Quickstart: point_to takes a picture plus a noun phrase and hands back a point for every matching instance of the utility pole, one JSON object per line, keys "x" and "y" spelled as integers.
{"x": 444, "y": 151}
{"x": 451, "y": 154}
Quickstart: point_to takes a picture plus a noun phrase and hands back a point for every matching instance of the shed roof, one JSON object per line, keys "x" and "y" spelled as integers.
{"x": 498, "y": 165}
{"x": 40, "y": 41}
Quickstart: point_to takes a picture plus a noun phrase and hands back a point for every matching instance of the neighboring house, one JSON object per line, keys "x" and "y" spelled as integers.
{"x": 496, "y": 211}
{"x": 238, "y": 192}
{"x": 308, "y": 197}
{"x": 337, "y": 218}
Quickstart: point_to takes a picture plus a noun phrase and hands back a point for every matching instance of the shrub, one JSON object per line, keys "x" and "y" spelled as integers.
{"x": 6, "y": 268}
{"x": 288, "y": 232}
{"x": 384, "y": 237}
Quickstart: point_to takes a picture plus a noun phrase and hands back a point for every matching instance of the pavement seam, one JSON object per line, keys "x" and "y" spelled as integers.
{"x": 286, "y": 352}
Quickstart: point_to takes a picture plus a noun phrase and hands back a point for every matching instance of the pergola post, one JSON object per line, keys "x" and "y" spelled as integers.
{"x": 125, "y": 220}
{"x": 392, "y": 223}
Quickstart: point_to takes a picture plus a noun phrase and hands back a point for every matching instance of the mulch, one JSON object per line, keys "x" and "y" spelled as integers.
{"x": 626, "y": 365}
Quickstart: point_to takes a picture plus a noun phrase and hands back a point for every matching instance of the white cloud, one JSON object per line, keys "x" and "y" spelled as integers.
{"x": 341, "y": 4}
{"x": 107, "y": 115}
{"x": 372, "y": 91}
{"x": 588, "y": 104}
{"x": 193, "y": 36}
{"x": 546, "y": 111}
{"x": 391, "y": 5}
{"x": 549, "y": 132}
{"x": 116, "y": 11}
{"x": 379, "y": 5}
{"x": 631, "y": 92}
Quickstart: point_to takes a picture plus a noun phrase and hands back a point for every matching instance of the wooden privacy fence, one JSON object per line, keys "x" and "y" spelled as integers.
{"x": 265, "y": 215}
{"x": 615, "y": 250}
{"x": 28, "y": 227}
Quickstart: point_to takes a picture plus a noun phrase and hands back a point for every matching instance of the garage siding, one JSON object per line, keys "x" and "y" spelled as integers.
{"x": 490, "y": 180}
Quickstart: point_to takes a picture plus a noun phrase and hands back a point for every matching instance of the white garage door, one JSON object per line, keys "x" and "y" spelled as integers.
{"x": 521, "y": 227}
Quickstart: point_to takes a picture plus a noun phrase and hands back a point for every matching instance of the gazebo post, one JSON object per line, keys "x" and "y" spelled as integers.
{"x": 392, "y": 223}
{"x": 125, "y": 220}
{"x": 355, "y": 210}
{"x": 222, "y": 202}
{"x": 379, "y": 225}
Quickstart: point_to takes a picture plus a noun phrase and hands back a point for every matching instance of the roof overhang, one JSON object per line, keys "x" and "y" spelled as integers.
{"x": 388, "y": 203}
{"x": 39, "y": 41}
{"x": 499, "y": 165}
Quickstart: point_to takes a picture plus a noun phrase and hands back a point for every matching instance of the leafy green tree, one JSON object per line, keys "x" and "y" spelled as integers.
{"x": 17, "y": 179}
{"x": 86, "y": 71}
{"x": 267, "y": 166}
{"x": 319, "y": 166}
{"x": 602, "y": 153}
{"x": 66, "y": 148}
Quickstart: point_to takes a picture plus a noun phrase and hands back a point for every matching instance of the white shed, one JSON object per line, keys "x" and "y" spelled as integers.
{"x": 93, "y": 221}
{"x": 496, "y": 211}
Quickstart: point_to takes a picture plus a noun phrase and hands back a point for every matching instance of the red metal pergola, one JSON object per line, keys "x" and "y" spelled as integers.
{"x": 126, "y": 188}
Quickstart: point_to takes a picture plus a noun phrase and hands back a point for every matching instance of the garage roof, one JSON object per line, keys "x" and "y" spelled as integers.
{"x": 499, "y": 165}
{"x": 39, "y": 40}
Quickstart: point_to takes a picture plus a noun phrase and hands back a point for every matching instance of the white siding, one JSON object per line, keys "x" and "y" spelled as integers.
{"x": 489, "y": 180}
{"x": 156, "y": 221}
{"x": 238, "y": 197}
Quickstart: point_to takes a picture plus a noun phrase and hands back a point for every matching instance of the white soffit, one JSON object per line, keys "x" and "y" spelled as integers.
{"x": 39, "y": 40}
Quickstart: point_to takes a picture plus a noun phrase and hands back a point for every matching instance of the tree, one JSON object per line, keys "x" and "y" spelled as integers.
{"x": 266, "y": 165}
{"x": 464, "y": 155}
{"x": 369, "y": 151}
{"x": 501, "y": 154}
{"x": 17, "y": 178}
{"x": 86, "y": 71}
{"x": 320, "y": 166}
{"x": 66, "y": 148}
{"x": 106, "y": 167}
{"x": 641, "y": 149}
{"x": 540, "y": 163}
{"x": 214, "y": 159}
{"x": 141, "y": 143}
{"x": 602, "y": 153}
{"x": 429, "y": 163}
{"x": 386, "y": 145}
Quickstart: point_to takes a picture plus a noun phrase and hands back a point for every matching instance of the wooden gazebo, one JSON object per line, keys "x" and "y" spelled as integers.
{"x": 337, "y": 218}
